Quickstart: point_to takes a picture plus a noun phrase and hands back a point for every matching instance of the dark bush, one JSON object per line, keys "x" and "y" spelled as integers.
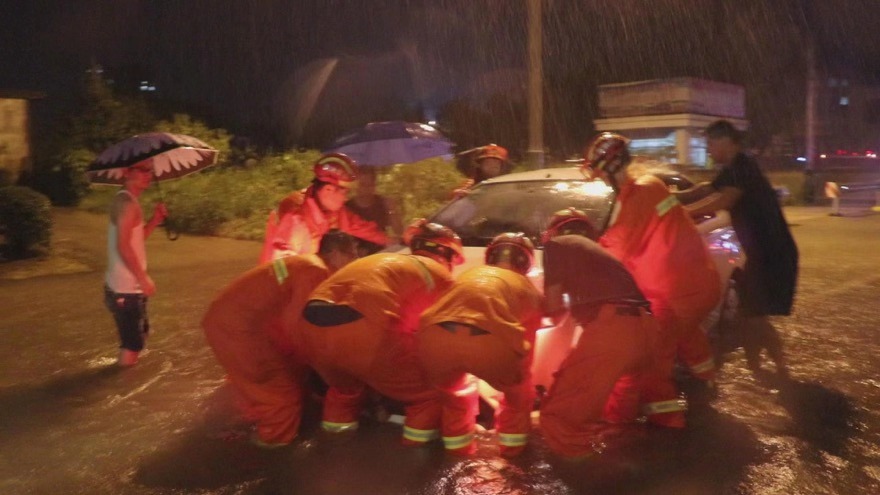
{"x": 25, "y": 222}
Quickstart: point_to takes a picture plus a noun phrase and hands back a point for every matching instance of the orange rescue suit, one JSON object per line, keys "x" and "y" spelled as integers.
{"x": 656, "y": 240}
{"x": 243, "y": 326}
{"x": 388, "y": 292}
{"x": 485, "y": 325}
{"x": 299, "y": 223}
{"x": 611, "y": 357}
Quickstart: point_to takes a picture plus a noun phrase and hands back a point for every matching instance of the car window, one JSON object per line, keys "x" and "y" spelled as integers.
{"x": 493, "y": 208}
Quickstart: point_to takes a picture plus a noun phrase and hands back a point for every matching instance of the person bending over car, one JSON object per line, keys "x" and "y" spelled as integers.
{"x": 656, "y": 240}
{"x": 485, "y": 325}
{"x": 602, "y": 377}
{"x": 243, "y": 326}
{"x": 359, "y": 331}
{"x": 767, "y": 285}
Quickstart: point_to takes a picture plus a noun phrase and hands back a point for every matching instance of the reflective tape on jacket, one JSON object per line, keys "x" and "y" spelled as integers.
{"x": 458, "y": 442}
{"x": 665, "y": 406}
{"x": 417, "y": 435}
{"x": 280, "y": 270}
{"x": 705, "y": 366}
{"x": 667, "y": 204}
{"x": 338, "y": 427}
{"x": 513, "y": 439}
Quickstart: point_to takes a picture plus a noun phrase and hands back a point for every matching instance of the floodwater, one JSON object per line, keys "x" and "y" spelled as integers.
{"x": 71, "y": 422}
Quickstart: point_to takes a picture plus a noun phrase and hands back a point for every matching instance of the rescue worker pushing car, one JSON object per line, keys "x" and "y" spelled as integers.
{"x": 656, "y": 240}
{"x": 304, "y": 216}
{"x": 243, "y": 326}
{"x": 602, "y": 376}
{"x": 360, "y": 325}
{"x": 485, "y": 326}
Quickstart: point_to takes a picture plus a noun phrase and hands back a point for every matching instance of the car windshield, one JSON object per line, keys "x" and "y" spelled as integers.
{"x": 524, "y": 206}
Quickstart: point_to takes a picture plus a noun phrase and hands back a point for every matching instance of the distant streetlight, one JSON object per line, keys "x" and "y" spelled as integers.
{"x": 535, "y": 152}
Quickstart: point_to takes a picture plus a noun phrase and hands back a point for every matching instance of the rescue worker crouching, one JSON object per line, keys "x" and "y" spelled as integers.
{"x": 485, "y": 326}
{"x": 601, "y": 378}
{"x": 244, "y": 327}
{"x": 359, "y": 330}
{"x": 656, "y": 240}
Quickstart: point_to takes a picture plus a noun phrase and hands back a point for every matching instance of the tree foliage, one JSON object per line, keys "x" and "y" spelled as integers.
{"x": 25, "y": 222}
{"x": 101, "y": 119}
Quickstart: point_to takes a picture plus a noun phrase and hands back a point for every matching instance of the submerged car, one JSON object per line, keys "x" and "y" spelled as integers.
{"x": 524, "y": 202}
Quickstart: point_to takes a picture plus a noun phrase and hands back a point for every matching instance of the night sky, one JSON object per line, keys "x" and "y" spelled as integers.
{"x": 243, "y": 64}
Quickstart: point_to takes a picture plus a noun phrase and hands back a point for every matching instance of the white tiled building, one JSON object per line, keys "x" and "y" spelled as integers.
{"x": 665, "y": 117}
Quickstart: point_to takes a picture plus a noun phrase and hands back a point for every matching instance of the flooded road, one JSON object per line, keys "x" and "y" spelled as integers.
{"x": 71, "y": 422}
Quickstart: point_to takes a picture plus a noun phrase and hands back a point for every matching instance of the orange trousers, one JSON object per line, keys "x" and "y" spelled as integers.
{"x": 448, "y": 353}
{"x": 269, "y": 382}
{"x": 600, "y": 379}
{"x": 680, "y": 335}
{"x": 354, "y": 355}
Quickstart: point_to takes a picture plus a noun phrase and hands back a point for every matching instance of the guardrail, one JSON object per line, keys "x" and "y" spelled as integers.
{"x": 853, "y": 199}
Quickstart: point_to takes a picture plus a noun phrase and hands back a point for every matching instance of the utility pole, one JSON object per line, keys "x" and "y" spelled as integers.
{"x": 535, "y": 152}
{"x": 812, "y": 90}
{"x": 810, "y": 118}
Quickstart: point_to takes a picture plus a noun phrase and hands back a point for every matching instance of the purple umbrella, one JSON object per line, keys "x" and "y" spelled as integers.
{"x": 389, "y": 143}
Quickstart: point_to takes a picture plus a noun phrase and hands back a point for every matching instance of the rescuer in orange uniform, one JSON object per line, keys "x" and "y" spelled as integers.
{"x": 304, "y": 216}
{"x": 243, "y": 327}
{"x": 656, "y": 240}
{"x": 484, "y": 162}
{"x": 360, "y": 325}
{"x": 602, "y": 376}
{"x": 485, "y": 325}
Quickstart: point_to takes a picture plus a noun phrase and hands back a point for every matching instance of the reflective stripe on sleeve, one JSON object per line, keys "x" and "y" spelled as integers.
{"x": 458, "y": 442}
{"x": 417, "y": 435}
{"x": 665, "y": 406}
{"x": 280, "y": 270}
{"x": 426, "y": 274}
{"x": 338, "y": 427}
{"x": 513, "y": 439}
{"x": 707, "y": 365}
{"x": 664, "y": 206}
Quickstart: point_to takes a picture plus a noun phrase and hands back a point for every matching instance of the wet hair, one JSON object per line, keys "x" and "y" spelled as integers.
{"x": 724, "y": 129}
{"x": 336, "y": 240}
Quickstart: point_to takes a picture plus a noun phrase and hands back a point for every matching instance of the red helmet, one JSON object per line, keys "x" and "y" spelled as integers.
{"x": 336, "y": 169}
{"x": 606, "y": 153}
{"x": 434, "y": 238}
{"x": 515, "y": 248}
{"x": 491, "y": 151}
{"x": 569, "y": 221}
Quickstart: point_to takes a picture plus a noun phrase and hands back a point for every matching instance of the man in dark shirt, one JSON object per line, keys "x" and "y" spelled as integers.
{"x": 602, "y": 377}
{"x": 767, "y": 285}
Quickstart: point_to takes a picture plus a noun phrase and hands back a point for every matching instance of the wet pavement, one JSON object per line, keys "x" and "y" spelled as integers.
{"x": 71, "y": 422}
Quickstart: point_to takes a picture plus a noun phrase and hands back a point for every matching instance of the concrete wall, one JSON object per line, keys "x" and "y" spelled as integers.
{"x": 15, "y": 151}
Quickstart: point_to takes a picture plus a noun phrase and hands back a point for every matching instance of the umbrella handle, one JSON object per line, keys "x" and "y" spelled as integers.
{"x": 170, "y": 231}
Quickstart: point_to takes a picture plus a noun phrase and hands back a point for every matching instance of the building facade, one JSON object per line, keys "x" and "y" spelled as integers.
{"x": 15, "y": 139}
{"x": 665, "y": 118}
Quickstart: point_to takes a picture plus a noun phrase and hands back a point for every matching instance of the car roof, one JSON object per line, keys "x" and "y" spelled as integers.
{"x": 563, "y": 173}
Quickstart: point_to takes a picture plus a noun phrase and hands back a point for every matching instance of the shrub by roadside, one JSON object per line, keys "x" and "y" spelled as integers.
{"x": 25, "y": 222}
{"x": 234, "y": 201}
